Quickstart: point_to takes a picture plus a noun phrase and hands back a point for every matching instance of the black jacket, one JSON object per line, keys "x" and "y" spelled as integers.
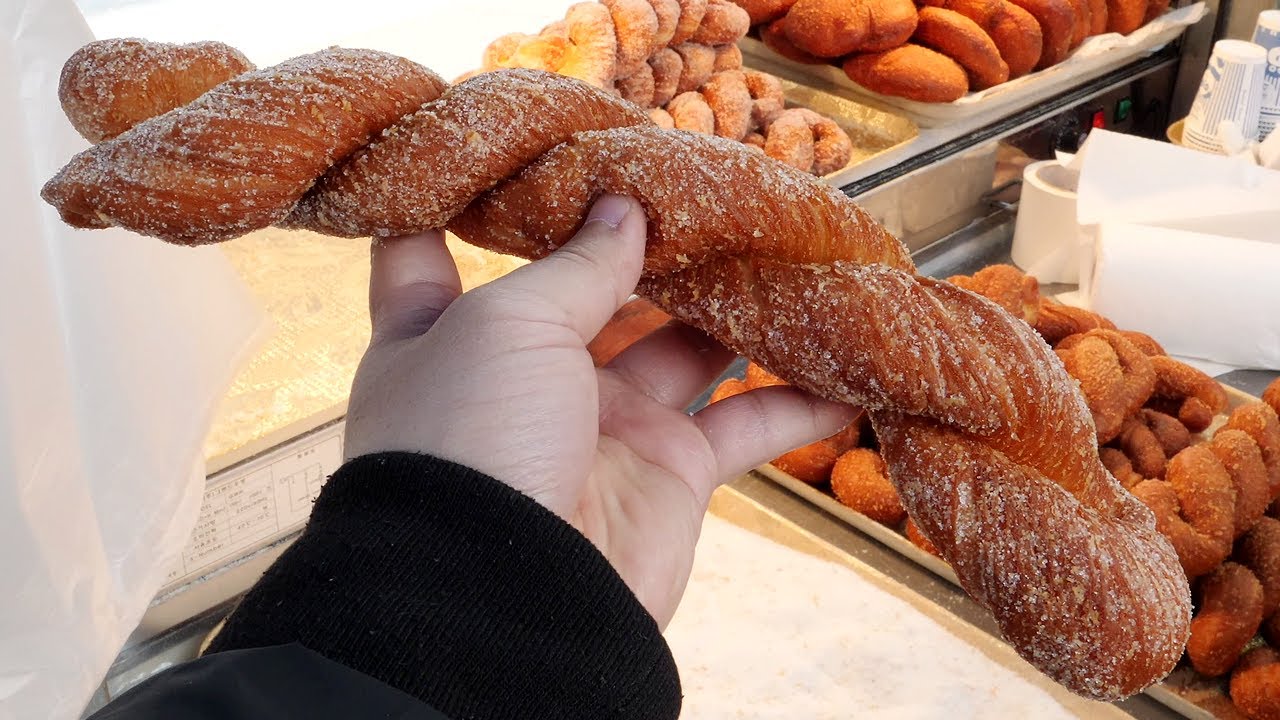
{"x": 423, "y": 589}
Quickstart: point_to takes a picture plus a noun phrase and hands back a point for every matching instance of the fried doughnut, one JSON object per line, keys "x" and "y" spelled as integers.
{"x": 1084, "y": 22}
{"x": 1194, "y": 508}
{"x": 699, "y": 65}
{"x": 1155, "y": 8}
{"x": 991, "y": 448}
{"x": 1271, "y": 396}
{"x": 892, "y": 24}
{"x": 859, "y": 481}
{"x": 1255, "y": 684}
{"x": 662, "y": 119}
{"x": 1172, "y": 435}
{"x": 1099, "y": 16}
{"x": 730, "y": 101}
{"x": 1125, "y": 16}
{"x": 774, "y": 36}
{"x": 918, "y": 539}
{"x": 1230, "y": 611}
{"x": 638, "y": 88}
{"x": 765, "y": 11}
{"x": 1259, "y": 550}
{"x": 1259, "y": 421}
{"x": 1239, "y": 454}
{"x": 668, "y": 13}
{"x": 108, "y": 86}
{"x": 1144, "y": 342}
{"x": 1115, "y": 377}
{"x": 962, "y": 40}
{"x": 636, "y": 27}
{"x": 1177, "y": 381}
{"x": 758, "y": 377}
{"x": 811, "y": 464}
{"x": 754, "y": 140}
{"x": 1007, "y": 286}
{"x": 1018, "y": 35}
{"x": 691, "y": 14}
{"x": 727, "y": 389}
{"x": 1118, "y": 464}
{"x": 828, "y": 28}
{"x": 1056, "y": 321}
{"x": 666, "y": 66}
{"x": 1150, "y": 438}
{"x": 800, "y": 135}
{"x": 690, "y": 111}
{"x": 593, "y": 53}
{"x": 982, "y": 12}
{"x": 1057, "y": 23}
{"x": 912, "y": 72}
{"x": 768, "y": 99}
{"x": 728, "y": 57}
{"x": 723, "y": 24}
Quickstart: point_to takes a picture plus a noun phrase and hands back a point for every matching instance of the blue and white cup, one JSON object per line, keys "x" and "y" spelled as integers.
{"x": 1267, "y": 35}
{"x": 1231, "y": 91}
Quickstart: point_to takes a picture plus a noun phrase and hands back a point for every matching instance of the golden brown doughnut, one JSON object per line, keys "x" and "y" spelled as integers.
{"x": 768, "y": 99}
{"x": 730, "y": 101}
{"x": 828, "y": 28}
{"x": 774, "y": 36}
{"x": 982, "y": 12}
{"x": 1118, "y": 464}
{"x": 1140, "y": 445}
{"x": 754, "y": 140}
{"x": 859, "y": 481}
{"x": 1259, "y": 550}
{"x": 723, "y": 24}
{"x": 1259, "y": 421}
{"x": 1271, "y": 395}
{"x": 1057, "y": 24}
{"x": 638, "y": 88}
{"x": 668, "y": 14}
{"x": 1099, "y": 16}
{"x": 1115, "y": 377}
{"x": 691, "y": 14}
{"x": 108, "y": 86}
{"x": 806, "y": 140}
{"x": 1144, "y": 342}
{"x": 1255, "y": 684}
{"x": 636, "y": 26}
{"x": 690, "y": 111}
{"x": 892, "y": 24}
{"x": 811, "y": 464}
{"x": 666, "y": 66}
{"x": 1007, "y": 286}
{"x": 990, "y": 446}
{"x": 1056, "y": 321}
{"x": 765, "y": 11}
{"x": 912, "y": 72}
{"x": 662, "y": 118}
{"x": 962, "y": 40}
{"x": 699, "y": 64}
{"x": 728, "y": 57}
{"x": 1239, "y": 454}
{"x": 1018, "y": 36}
{"x": 1194, "y": 508}
{"x": 918, "y": 539}
{"x": 1230, "y": 611}
{"x": 1125, "y": 16}
{"x": 1083, "y": 24}
{"x": 1178, "y": 382}
{"x": 591, "y": 44}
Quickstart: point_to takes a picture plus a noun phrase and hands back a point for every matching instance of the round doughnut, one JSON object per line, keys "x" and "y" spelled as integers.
{"x": 724, "y": 24}
{"x": 962, "y": 40}
{"x": 1239, "y": 454}
{"x": 728, "y": 388}
{"x": 1255, "y": 684}
{"x": 1259, "y": 421}
{"x": 666, "y": 66}
{"x": 1194, "y": 508}
{"x": 982, "y": 12}
{"x": 774, "y": 36}
{"x": 726, "y": 93}
{"x": 755, "y": 140}
{"x": 668, "y": 13}
{"x": 1125, "y": 16}
{"x": 1084, "y": 22}
{"x": 691, "y": 14}
{"x": 699, "y": 64}
{"x": 811, "y": 464}
{"x": 636, "y": 26}
{"x": 1118, "y": 464}
{"x": 912, "y": 72}
{"x": 638, "y": 88}
{"x": 832, "y": 147}
{"x": 765, "y": 11}
{"x": 594, "y": 54}
{"x": 662, "y": 119}
{"x": 768, "y": 99}
{"x": 892, "y": 24}
{"x": 1018, "y": 36}
{"x": 1057, "y": 24}
{"x": 728, "y": 57}
{"x": 1230, "y": 612}
{"x": 859, "y": 481}
{"x": 789, "y": 140}
{"x": 1259, "y": 550}
{"x": 690, "y": 111}
{"x": 828, "y": 28}
{"x": 1098, "y": 16}
{"x": 1271, "y": 396}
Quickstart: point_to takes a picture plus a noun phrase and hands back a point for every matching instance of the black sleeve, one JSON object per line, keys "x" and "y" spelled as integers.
{"x": 452, "y": 587}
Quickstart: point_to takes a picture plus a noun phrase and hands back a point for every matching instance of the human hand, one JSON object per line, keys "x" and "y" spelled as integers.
{"x": 500, "y": 380}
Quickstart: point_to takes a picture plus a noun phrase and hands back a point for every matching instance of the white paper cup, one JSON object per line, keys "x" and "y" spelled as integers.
{"x": 1231, "y": 90}
{"x": 1267, "y": 35}
{"x": 1046, "y": 238}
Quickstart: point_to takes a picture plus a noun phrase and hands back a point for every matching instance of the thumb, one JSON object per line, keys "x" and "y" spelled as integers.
{"x": 411, "y": 282}
{"x": 592, "y": 275}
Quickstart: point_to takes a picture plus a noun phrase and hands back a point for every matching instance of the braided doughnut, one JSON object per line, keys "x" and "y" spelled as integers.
{"x": 990, "y": 446}
{"x": 1056, "y": 321}
{"x": 726, "y": 92}
{"x": 690, "y": 112}
{"x": 774, "y": 36}
{"x": 108, "y": 86}
{"x": 1115, "y": 376}
{"x": 699, "y": 65}
{"x": 1194, "y": 508}
{"x": 1149, "y": 439}
{"x": 1007, "y": 286}
{"x": 1255, "y": 684}
{"x": 1259, "y": 421}
{"x": 691, "y": 14}
{"x": 1230, "y": 612}
{"x": 1240, "y": 455}
{"x": 1179, "y": 383}
{"x": 1118, "y": 464}
{"x": 767, "y": 96}
{"x": 723, "y": 24}
{"x": 1259, "y": 550}
{"x": 1144, "y": 342}
{"x": 859, "y": 481}
{"x": 964, "y": 41}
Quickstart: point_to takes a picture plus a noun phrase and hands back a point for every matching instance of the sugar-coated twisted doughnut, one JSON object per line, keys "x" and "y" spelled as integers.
{"x": 988, "y": 441}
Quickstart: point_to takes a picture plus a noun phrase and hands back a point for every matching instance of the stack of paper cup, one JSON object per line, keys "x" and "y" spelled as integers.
{"x": 1231, "y": 91}
{"x": 1267, "y": 35}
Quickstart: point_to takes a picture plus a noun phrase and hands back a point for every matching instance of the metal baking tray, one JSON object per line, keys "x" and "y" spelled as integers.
{"x": 1184, "y": 691}
{"x": 1107, "y": 53}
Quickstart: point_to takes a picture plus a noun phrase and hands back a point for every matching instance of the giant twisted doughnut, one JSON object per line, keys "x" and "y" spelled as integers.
{"x": 984, "y": 433}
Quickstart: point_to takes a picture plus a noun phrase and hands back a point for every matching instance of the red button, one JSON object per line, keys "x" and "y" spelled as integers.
{"x": 1099, "y": 119}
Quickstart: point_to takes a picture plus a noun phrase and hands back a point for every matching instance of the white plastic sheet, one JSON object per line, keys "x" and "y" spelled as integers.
{"x": 113, "y": 351}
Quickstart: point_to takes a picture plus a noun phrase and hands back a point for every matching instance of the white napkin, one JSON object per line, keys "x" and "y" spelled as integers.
{"x": 113, "y": 352}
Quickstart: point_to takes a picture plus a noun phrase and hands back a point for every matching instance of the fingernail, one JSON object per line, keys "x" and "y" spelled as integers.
{"x": 610, "y": 210}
